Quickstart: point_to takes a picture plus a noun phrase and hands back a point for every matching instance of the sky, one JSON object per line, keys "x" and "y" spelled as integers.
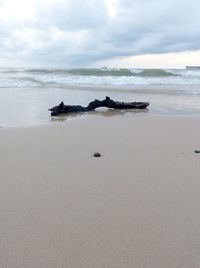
{"x": 95, "y": 33}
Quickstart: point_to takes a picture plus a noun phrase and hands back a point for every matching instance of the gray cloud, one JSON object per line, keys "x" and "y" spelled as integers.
{"x": 81, "y": 32}
{"x": 70, "y": 15}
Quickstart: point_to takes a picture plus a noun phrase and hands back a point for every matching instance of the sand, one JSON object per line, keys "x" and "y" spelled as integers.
{"x": 136, "y": 206}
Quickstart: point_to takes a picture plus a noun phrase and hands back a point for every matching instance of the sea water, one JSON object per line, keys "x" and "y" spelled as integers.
{"x": 26, "y": 93}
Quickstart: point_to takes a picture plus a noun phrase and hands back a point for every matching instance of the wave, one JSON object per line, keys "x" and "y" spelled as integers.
{"x": 157, "y": 72}
{"x": 100, "y": 72}
{"x": 29, "y": 79}
{"x": 121, "y": 72}
{"x": 33, "y": 77}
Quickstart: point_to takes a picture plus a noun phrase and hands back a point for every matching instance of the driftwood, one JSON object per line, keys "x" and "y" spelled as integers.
{"x": 109, "y": 103}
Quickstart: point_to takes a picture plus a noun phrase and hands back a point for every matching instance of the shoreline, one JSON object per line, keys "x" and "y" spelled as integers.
{"x": 135, "y": 206}
{"x": 102, "y": 114}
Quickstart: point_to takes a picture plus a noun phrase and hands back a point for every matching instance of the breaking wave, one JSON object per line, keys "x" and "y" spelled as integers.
{"x": 104, "y": 72}
{"x": 48, "y": 77}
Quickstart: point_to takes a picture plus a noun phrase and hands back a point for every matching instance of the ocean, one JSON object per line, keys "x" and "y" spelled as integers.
{"x": 26, "y": 94}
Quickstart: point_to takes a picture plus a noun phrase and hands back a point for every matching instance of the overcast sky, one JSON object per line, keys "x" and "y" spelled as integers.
{"x": 83, "y": 33}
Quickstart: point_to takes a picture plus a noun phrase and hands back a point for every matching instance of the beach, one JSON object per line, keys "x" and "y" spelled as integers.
{"x": 138, "y": 205}
{"x": 99, "y": 134}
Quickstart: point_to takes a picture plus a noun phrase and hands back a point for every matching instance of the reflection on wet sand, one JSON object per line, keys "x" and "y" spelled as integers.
{"x": 100, "y": 112}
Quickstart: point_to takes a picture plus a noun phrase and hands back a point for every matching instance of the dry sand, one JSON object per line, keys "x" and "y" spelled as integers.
{"x": 136, "y": 206}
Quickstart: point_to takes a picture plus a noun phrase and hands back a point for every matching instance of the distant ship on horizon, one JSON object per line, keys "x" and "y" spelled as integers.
{"x": 192, "y": 67}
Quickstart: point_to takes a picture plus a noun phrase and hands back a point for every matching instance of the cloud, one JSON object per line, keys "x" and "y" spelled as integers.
{"x": 70, "y": 15}
{"x": 83, "y": 32}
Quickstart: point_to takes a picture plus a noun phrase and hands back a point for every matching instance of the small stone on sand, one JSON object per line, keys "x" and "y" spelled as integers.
{"x": 97, "y": 155}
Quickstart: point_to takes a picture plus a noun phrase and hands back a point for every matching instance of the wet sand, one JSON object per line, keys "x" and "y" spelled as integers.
{"x": 136, "y": 206}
